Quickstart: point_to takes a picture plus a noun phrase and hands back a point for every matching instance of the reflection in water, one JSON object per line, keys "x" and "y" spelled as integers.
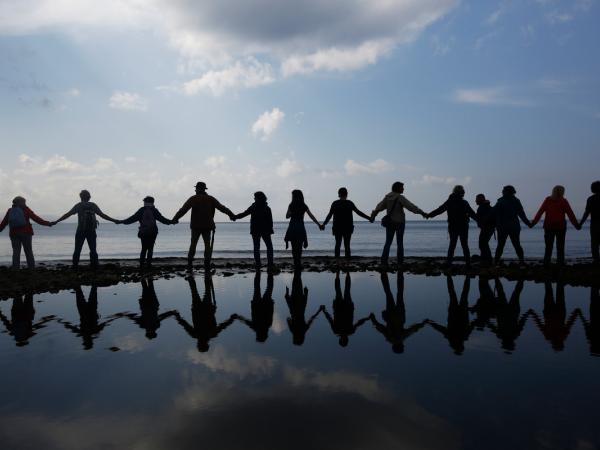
{"x": 394, "y": 315}
{"x": 509, "y": 323}
{"x": 297, "y": 303}
{"x": 342, "y": 322}
{"x": 89, "y": 326}
{"x": 262, "y": 309}
{"x": 204, "y": 325}
{"x": 21, "y": 326}
{"x": 592, "y": 326}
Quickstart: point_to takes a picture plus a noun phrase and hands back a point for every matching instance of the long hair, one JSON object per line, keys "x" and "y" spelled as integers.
{"x": 558, "y": 191}
{"x": 297, "y": 200}
{"x": 260, "y": 197}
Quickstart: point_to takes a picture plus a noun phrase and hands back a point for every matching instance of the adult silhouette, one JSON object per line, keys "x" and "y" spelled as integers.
{"x": 18, "y": 219}
{"x": 509, "y": 321}
{"x": 458, "y": 328}
{"x": 147, "y": 216}
{"x": 297, "y": 301}
{"x": 261, "y": 307}
{"x": 296, "y": 232}
{"x": 89, "y": 327}
{"x": 204, "y": 326}
{"x": 487, "y": 227}
{"x": 458, "y": 211}
{"x": 592, "y": 210}
{"x": 21, "y": 325}
{"x": 149, "y": 319}
{"x": 343, "y": 221}
{"x": 592, "y": 326}
{"x": 555, "y": 326}
{"x": 555, "y": 208}
{"x": 394, "y": 222}
{"x": 507, "y": 212}
{"x": 261, "y": 227}
{"x": 86, "y": 226}
{"x": 202, "y": 222}
{"x": 485, "y": 307}
{"x": 394, "y": 327}
{"x": 342, "y": 323}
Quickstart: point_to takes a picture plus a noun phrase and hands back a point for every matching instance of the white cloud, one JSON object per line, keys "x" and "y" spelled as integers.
{"x": 447, "y": 180}
{"x": 378, "y": 166}
{"x": 558, "y": 17}
{"x": 220, "y": 359}
{"x": 73, "y": 92}
{"x": 129, "y": 101}
{"x": 130, "y": 159}
{"x": 495, "y": 95}
{"x": 288, "y": 167}
{"x": 267, "y": 123}
{"x": 214, "y": 162}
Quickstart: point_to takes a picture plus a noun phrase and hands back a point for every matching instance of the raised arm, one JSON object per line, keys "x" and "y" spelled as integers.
{"x": 314, "y": 219}
{"x": 67, "y": 214}
{"x": 183, "y": 210}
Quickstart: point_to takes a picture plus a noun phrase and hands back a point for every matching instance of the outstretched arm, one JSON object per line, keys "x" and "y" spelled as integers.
{"x": 162, "y": 219}
{"x": 360, "y": 213}
{"x": 441, "y": 209}
{"x": 183, "y": 210}
{"x": 67, "y": 214}
{"x": 571, "y": 216}
{"x": 4, "y": 222}
{"x": 328, "y": 218}
{"x": 313, "y": 218}
{"x": 521, "y": 214}
{"x": 244, "y": 214}
{"x": 224, "y": 210}
{"x": 133, "y": 218}
{"x": 98, "y": 211}
{"x": 411, "y": 207}
{"x": 36, "y": 218}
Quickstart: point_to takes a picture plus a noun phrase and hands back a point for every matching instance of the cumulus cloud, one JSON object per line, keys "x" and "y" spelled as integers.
{"x": 214, "y": 162}
{"x": 447, "y": 180}
{"x": 129, "y": 101}
{"x": 491, "y": 96}
{"x": 288, "y": 167}
{"x": 378, "y": 166}
{"x": 267, "y": 123}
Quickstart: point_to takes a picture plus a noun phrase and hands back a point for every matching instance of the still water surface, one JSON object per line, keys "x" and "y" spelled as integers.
{"x": 396, "y": 361}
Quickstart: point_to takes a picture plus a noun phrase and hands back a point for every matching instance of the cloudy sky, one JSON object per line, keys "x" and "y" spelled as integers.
{"x": 134, "y": 97}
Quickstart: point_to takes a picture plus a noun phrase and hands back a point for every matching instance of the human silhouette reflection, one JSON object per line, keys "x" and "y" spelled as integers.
{"x": 555, "y": 327}
{"x": 509, "y": 321}
{"x": 149, "y": 319}
{"x": 484, "y": 308}
{"x": 297, "y": 302}
{"x": 342, "y": 322}
{"x": 22, "y": 314}
{"x": 204, "y": 325}
{"x": 394, "y": 315}
{"x": 592, "y": 326}
{"x": 89, "y": 320}
{"x": 261, "y": 308}
{"x": 459, "y": 326}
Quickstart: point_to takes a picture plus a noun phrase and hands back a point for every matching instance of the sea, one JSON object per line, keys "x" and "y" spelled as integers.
{"x": 232, "y": 240}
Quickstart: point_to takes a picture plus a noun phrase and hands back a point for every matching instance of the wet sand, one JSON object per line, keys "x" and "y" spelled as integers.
{"x": 56, "y": 276}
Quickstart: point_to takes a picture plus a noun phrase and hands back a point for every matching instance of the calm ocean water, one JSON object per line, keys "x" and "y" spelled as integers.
{"x": 422, "y": 238}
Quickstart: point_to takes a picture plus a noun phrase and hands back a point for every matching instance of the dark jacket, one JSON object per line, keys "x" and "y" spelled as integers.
{"x": 592, "y": 208}
{"x": 138, "y": 216}
{"x": 507, "y": 211}
{"x": 342, "y": 212}
{"x": 261, "y": 218}
{"x": 27, "y": 229}
{"x": 485, "y": 216}
{"x": 458, "y": 211}
{"x": 203, "y": 211}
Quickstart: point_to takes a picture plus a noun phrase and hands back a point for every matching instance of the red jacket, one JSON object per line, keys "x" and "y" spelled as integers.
{"x": 555, "y": 210}
{"x": 27, "y": 229}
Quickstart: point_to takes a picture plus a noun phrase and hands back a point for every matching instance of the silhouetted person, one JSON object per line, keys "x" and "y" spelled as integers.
{"x": 297, "y": 302}
{"x": 459, "y": 327}
{"x": 342, "y": 322}
{"x": 485, "y": 306}
{"x": 487, "y": 226}
{"x": 21, "y": 326}
{"x": 509, "y": 321}
{"x": 458, "y": 211}
{"x": 262, "y": 308}
{"x": 296, "y": 233}
{"x": 89, "y": 320}
{"x": 86, "y": 227}
{"x": 592, "y": 326}
{"x": 17, "y": 219}
{"x": 555, "y": 327}
{"x": 204, "y": 325}
{"x": 394, "y": 222}
{"x": 394, "y": 315}
{"x": 261, "y": 227}
{"x": 555, "y": 208}
{"x": 507, "y": 212}
{"x": 202, "y": 222}
{"x": 147, "y": 216}
{"x": 149, "y": 319}
{"x": 592, "y": 209}
{"x": 343, "y": 221}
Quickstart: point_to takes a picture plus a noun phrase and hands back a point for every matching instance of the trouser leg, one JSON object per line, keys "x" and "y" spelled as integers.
{"x": 548, "y": 245}
{"x": 484, "y": 244}
{"x": 16, "y": 244}
{"x": 464, "y": 243}
{"x": 27, "y": 248}
{"x": 502, "y": 236}
{"x": 193, "y": 244}
{"x": 91, "y": 240}
{"x": 515, "y": 238}
{"x": 560, "y": 246}
{"x": 269, "y": 245}
{"x": 338, "y": 244}
{"x": 144, "y": 250}
{"x": 207, "y": 250}
{"x": 389, "y": 238}
{"x": 451, "y": 246}
{"x": 347, "y": 237}
{"x": 595, "y": 243}
{"x": 256, "y": 245}
{"x": 151, "y": 240}
{"x": 400, "y": 243}
{"x": 79, "y": 240}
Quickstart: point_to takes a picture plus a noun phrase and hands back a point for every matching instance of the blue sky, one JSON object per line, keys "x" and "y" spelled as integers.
{"x": 129, "y": 98}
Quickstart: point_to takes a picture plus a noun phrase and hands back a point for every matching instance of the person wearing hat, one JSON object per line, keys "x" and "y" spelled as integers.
{"x": 202, "y": 221}
{"x": 86, "y": 227}
{"x": 507, "y": 212}
{"x": 147, "y": 216}
{"x": 18, "y": 219}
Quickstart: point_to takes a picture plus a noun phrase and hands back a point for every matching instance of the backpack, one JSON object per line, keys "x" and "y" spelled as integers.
{"x": 147, "y": 222}
{"x": 16, "y": 217}
{"x": 87, "y": 220}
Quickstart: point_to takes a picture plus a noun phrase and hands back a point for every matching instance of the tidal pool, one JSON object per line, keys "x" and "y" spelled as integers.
{"x": 353, "y": 361}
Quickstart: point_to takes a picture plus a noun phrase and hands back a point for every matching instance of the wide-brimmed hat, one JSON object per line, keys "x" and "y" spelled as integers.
{"x": 200, "y": 185}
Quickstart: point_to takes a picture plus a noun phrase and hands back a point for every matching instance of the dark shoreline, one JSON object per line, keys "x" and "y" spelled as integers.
{"x": 56, "y": 276}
